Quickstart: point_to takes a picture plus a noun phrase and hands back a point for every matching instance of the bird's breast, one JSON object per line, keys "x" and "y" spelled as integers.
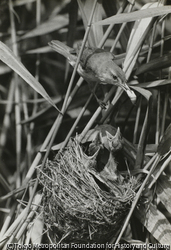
{"x": 87, "y": 74}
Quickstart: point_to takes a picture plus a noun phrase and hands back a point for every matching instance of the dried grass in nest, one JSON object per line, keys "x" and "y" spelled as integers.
{"x": 76, "y": 209}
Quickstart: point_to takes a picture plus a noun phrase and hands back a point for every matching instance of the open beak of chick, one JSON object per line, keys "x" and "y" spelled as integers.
{"x": 116, "y": 137}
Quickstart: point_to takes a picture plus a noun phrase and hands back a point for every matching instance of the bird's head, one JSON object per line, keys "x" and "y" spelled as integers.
{"x": 111, "y": 73}
{"x": 115, "y": 141}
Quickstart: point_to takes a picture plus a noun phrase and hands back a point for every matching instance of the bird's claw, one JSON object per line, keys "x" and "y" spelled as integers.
{"x": 102, "y": 104}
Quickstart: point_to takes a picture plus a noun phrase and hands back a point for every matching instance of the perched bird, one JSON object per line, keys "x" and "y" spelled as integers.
{"x": 96, "y": 65}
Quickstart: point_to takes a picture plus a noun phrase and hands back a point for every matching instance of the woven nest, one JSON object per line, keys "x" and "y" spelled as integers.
{"x": 76, "y": 208}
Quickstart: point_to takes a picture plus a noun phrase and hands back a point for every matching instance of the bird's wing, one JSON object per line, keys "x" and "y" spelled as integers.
{"x": 64, "y": 50}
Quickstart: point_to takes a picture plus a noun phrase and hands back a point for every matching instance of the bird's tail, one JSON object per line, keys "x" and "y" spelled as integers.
{"x": 64, "y": 50}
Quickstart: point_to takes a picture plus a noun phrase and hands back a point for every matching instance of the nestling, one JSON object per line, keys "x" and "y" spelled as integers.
{"x": 96, "y": 65}
{"x": 106, "y": 147}
{"x": 113, "y": 144}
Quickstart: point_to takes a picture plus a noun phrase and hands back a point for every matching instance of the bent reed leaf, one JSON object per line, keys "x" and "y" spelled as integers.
{"x": 8, "y": 57}
{"x": 136, "y": 15}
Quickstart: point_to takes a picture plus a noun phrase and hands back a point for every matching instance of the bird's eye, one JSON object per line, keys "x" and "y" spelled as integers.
{"x": 115, "y": 77}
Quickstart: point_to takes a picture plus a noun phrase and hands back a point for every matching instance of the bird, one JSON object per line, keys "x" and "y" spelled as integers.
{"x": 129, "y": 150}
{"x": 96, "y": 66}
{"x": 114, "y": 144}
{"x": 107, "y": 146}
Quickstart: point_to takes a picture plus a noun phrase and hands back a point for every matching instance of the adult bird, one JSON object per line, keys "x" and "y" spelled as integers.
{"x": 96, "y": 65}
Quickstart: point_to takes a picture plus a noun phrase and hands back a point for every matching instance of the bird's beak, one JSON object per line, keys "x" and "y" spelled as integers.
{"x": 116, "y": 136}
{"x": 118, "y": 133}
{"x": 129, "y": 92}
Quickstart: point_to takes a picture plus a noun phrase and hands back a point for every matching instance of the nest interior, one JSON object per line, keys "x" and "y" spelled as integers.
{"x": 76, "y": 208}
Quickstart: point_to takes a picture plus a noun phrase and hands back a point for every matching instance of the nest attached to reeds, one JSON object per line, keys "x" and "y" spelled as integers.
{"x": 76, "y": 208}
